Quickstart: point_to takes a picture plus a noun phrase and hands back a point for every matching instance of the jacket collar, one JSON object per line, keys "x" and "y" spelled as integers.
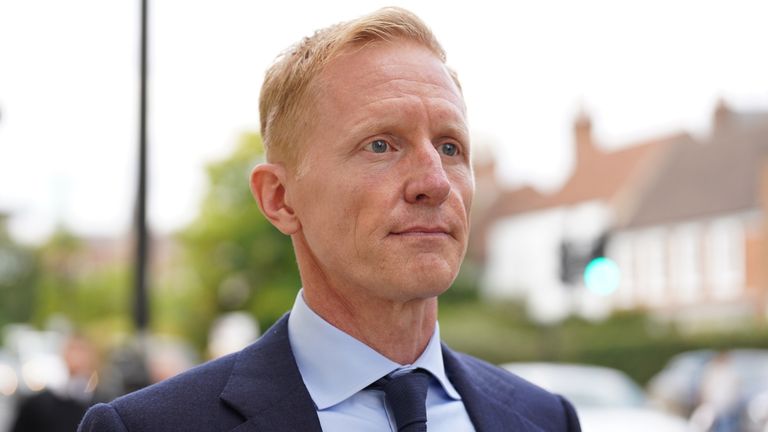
{"x": 333, "y": 375}
{"x": 275, "y": 398}
{"x": 271, "y": 398}
{"x": 490, "y": 402}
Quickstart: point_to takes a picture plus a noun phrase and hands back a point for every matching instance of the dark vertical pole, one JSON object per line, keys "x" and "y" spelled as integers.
{"x": 142, "y": 241}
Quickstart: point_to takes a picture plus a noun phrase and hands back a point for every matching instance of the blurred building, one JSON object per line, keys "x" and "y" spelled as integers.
{"x": 81, "y": 255}
{"x": 683, "y": 218}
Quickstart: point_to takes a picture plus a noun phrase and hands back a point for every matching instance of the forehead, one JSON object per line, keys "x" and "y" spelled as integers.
{"x": 385, "y": 70}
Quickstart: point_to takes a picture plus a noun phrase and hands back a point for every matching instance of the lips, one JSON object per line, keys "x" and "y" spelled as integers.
{"x": 422, "y": 230}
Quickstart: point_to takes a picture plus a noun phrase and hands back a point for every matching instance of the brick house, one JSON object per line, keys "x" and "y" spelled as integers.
{"x": 682, "y": 217}
{"x": 694, "y": 246}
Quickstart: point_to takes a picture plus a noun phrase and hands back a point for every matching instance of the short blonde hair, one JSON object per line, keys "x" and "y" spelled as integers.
{"x": 286, "y": 94}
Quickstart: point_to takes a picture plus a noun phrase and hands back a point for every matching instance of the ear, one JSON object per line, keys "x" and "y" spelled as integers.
{"x": 268, "y": 187}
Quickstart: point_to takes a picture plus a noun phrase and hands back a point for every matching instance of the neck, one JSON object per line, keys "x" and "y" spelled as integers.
{"x": 399, "y": 331}
{"x": 395, "y": 325}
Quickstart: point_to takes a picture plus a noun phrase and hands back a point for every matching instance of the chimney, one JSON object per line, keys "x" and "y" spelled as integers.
{"x": 720, "y": 116}
{"x": 582, "y": 133}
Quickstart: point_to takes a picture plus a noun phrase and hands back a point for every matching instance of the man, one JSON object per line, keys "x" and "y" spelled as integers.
{"x": 59, "y": 408}
{"x": 369, "y": 173}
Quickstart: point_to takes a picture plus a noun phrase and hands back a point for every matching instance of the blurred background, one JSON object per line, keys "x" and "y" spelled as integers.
{"x": 620, "y": 235}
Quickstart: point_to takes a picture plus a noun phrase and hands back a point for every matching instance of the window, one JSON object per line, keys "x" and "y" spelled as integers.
{"x": 725, "y": 258}
{"x": 651, "y": 268}
{"x": 621, "y": 251}
{"x": 685, "y": 263}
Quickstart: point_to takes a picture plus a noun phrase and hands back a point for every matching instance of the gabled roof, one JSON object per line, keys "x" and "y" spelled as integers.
{"x": 601, "y": 175}
{"x": 520, "y": 200}
{"x": 607, "y": 174}
{"x": 702, "y": 178}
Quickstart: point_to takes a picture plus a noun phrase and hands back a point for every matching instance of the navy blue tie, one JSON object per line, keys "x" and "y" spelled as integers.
{"x": 406, "y": 395}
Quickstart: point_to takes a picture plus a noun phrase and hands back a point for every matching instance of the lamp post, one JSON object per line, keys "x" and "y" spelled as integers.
{"x": 141, "y": 303}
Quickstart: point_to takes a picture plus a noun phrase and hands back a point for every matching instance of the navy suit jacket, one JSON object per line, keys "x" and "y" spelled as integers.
{"x": 260, "y": 389}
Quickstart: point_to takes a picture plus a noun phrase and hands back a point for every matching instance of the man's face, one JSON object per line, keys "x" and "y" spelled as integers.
{"x": 384, "y": 186}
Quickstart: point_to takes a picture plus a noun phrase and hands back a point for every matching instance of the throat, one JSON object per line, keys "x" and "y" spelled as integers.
{"x": 398, "y": 331}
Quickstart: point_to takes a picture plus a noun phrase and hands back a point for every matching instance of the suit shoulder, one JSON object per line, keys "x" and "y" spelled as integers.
{"x": 204, "y": 379}
{"x": 190, "y": 398}
{"x": 492, "y": 374}
{"x": 103, "y": 418}
{"x": 535, "y": 404}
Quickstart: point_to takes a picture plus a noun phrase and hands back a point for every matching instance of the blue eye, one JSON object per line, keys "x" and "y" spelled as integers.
{"x": 449, "y": 149}
{"x": 378, "y": 146}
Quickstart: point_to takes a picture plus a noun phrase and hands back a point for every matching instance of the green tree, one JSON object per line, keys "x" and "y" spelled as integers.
{"x": 238, "y": 259}
{"x": 19, "y": 271}
{"x": 89, "y": 294}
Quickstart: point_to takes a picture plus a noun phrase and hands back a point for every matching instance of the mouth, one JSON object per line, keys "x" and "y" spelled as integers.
{"x": 423, "y": 231}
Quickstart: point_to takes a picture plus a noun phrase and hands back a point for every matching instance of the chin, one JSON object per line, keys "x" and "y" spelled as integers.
{"x": 412, "y": 277}
{"x": 429, "y": 281}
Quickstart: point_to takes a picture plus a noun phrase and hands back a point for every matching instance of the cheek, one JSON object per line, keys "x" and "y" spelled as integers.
{"x": 318, "y": 208}
{"x": 468, "y": 199}
{"x": 370, "y": 206}
{"x": 360, "y": 208}
{"x": 349, "y": 209}
{"x": 464, "y": 184}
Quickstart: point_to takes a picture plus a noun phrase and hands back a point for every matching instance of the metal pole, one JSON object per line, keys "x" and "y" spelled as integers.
{"x": 141, "y": 306}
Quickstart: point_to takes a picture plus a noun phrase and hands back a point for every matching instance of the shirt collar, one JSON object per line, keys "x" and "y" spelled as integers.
{"x": 335, "y": 365}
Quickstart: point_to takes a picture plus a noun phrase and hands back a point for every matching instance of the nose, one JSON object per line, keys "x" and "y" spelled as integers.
{"x": 427, "y": 181}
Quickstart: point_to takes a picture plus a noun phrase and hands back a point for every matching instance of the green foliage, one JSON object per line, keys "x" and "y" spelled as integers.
{"x": 60, "y": 279}
{"x": 240, "y": 261}
{"x": 19, "y": 271}
{"x": 630, "y": 342}
{"x": 465, "y": 287}
{"x": 87, "y": 294}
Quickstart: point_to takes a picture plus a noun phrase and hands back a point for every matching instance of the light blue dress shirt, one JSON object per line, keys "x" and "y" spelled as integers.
{"x": 336, "y": 369}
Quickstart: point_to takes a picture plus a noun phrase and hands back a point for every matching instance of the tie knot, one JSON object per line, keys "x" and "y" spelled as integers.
{"x": 406, "y": 395}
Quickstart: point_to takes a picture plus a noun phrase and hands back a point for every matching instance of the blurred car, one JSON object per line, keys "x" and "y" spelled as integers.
{"x": 605, "y": 399}
{"x": 679, "y": 385}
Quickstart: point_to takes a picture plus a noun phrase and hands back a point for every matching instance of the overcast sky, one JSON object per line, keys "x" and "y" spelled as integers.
{"x": 69, "y": 85}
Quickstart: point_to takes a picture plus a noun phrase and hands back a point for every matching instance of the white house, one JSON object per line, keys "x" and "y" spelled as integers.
{"x": 538, "y": 244}
{"x": 694, "y": 248}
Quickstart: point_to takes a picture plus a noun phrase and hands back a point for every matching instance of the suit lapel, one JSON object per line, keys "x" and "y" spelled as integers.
{"x": 489, "y": 402}
{"x": 265, "y": 386}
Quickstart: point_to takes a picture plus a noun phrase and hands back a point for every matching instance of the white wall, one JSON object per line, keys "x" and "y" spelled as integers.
{"x": 524, "y": 256}
{"x": 678, "y": 264}
{"x": 681, "y": 264}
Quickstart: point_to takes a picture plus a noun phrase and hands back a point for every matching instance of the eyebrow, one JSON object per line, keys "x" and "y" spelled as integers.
{"x": 453, "y": 125}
